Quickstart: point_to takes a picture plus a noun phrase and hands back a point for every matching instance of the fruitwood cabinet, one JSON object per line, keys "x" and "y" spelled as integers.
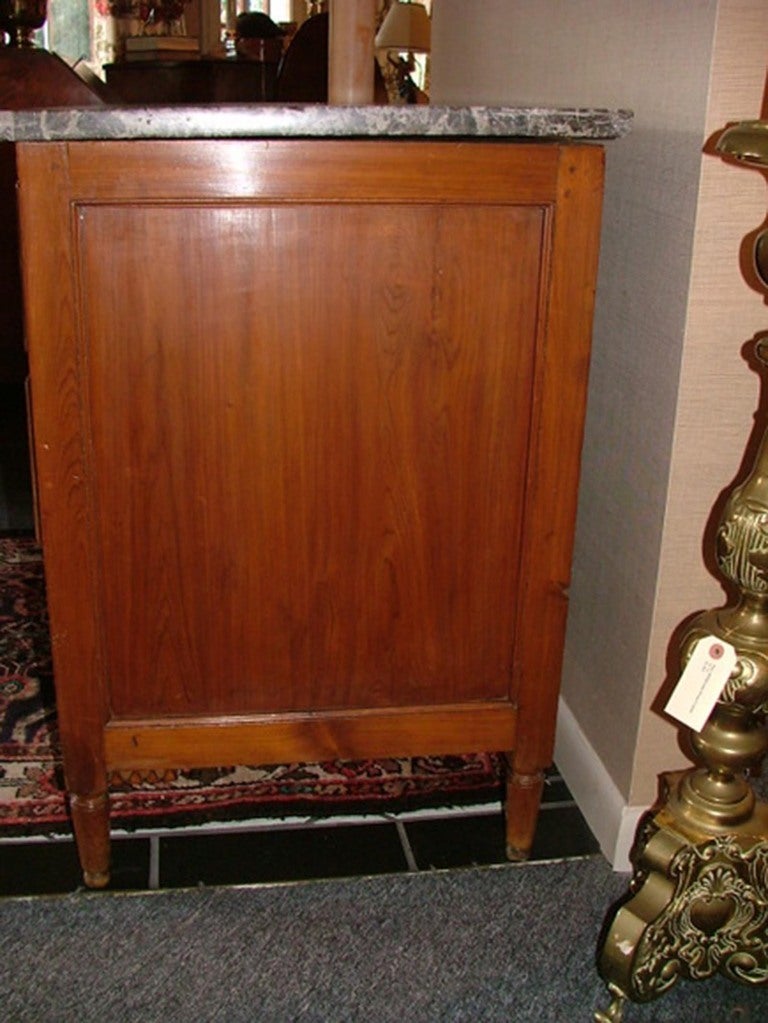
{"x": 307, "y": 419}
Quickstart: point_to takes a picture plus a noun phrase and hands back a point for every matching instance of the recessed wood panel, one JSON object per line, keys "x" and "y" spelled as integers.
{"x": 307, "y": 420}
{"x": 306, "y": 450}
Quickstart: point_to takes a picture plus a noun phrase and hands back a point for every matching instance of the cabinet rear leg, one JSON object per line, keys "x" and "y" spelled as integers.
{"x": 523, "y": 800}
{"x": 90, "y": 819}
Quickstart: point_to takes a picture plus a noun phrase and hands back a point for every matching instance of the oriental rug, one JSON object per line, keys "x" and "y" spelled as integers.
{"x": 32, "y": 796}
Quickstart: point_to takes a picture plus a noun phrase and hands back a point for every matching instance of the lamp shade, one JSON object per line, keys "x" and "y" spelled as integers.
{"x": 406, "y": 27}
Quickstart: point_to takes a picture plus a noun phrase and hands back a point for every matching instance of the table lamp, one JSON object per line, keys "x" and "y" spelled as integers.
{"x": 406, "y": 30}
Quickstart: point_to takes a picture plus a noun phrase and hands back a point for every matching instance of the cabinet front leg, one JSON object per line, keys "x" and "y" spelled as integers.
{"x": 90, "y": 820}
{"x": 523, "y": 801}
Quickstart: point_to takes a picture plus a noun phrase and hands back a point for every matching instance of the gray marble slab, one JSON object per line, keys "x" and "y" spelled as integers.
{"x": 311, "y": 121}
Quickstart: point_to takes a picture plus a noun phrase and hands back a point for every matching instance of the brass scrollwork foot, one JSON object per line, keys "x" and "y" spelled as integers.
{"x": 699, "y": 906}
{"x": 615, "y": 1011}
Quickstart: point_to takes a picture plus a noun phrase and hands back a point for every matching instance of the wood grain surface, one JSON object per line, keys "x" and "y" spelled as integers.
{"x": 307, "y": 424}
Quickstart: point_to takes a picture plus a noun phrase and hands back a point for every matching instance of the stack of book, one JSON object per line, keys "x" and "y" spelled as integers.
{"x": 161, "y": 48}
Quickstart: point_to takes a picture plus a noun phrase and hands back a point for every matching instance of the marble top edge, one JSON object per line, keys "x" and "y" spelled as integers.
{"x": 311, "y": 121}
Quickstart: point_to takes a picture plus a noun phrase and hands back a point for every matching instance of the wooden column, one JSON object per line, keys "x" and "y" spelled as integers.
{"x": 350, "y": 52}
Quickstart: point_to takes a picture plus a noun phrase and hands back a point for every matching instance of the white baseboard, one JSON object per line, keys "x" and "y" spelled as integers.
{"x": 612, "y": 821}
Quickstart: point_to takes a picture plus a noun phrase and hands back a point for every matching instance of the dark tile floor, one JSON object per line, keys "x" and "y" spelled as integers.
{"x": 268, "y": 852}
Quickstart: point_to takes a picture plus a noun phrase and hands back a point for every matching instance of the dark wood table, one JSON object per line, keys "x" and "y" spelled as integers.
{"x": 201, "y": 80}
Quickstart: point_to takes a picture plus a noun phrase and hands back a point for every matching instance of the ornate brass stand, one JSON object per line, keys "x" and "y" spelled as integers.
{"x": 698, "y": 899}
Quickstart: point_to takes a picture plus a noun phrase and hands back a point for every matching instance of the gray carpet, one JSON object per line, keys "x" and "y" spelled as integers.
{"x": 510, "y": 943}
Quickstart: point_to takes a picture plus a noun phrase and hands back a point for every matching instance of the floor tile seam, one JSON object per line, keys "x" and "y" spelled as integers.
{"x": 407, "y": 848}
{"x": 289, "y": 824}
{"x": 153, "y": 879}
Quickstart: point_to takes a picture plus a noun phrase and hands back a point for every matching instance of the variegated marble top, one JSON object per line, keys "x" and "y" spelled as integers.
{"x": 311, "y": 121}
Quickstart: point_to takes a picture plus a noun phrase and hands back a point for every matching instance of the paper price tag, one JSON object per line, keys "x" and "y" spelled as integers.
{"x": 702, "y": 682}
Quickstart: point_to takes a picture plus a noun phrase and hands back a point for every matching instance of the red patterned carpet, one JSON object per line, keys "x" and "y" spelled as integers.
{"x": 32, "y": 799}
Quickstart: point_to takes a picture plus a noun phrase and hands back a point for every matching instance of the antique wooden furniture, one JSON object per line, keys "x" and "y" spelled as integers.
{"x": 307, "y": 417}
{"x": 201, "y": 80}
{"x": 32, "y": 78}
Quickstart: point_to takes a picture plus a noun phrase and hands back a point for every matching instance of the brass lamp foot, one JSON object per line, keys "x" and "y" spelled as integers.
{"x": 698, "y": 906}
{"x": 615, "y": 1011}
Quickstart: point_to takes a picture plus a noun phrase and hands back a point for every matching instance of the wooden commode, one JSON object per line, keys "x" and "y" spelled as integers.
{"x": 307, "y": 420}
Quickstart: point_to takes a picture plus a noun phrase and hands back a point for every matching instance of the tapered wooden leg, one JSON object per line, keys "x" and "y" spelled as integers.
{"x": 523, "y": 800}
{"x": 90, "y": 819}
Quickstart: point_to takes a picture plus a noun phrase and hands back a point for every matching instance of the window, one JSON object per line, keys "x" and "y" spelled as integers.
{"x": 67, "y": 30}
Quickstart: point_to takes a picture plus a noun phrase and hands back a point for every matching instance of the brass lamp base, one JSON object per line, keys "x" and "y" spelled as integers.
{"x": 698, "y": 899}
{"x": 698, "y": 906}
